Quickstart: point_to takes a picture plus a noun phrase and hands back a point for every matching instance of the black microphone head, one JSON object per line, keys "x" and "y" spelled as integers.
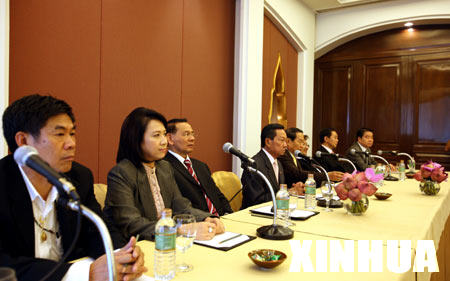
{"x": 297, "y": 153}
{"x": 23, "y": 152}
{"x": 226, "y": 147}
{"x": 352, "y": 151}
{"x": 318, "y": 154}
{"x": 380, "y": 152}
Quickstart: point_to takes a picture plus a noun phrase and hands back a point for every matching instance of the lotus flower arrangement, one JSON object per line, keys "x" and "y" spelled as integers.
{"x": 430, "y": 175}
{"x": 356, "y": 187}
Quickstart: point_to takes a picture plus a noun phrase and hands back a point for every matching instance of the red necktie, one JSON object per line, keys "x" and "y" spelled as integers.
{"x": 211, "y": 208}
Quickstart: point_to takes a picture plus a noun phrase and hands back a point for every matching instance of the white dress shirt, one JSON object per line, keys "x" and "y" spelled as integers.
{"x": 328, "y": 149}
{"x": 45, "y": 213}
{"x": 274, "y": 163}
{"x": 362, "y": 147}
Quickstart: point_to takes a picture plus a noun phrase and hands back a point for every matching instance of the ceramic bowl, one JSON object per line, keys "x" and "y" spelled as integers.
{"x": 382, "y": 195}
{"x": 267, "y": 253}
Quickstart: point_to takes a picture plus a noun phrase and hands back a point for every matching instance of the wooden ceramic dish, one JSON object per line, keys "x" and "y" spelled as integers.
{"x": 382, "y": 195}
{"x": 266, "y": 252}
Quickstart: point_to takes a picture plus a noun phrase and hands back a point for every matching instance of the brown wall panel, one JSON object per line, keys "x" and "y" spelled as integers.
{"x": 108, "y": 57}
{"x": 400, "y": 88}
{"x": 381, "y": 101}
{"x": 433, "y": 91}
{"x": 55, "y": 49}
{"x": 141, "y": 66}
{"x": 274, "y": 43}
{"x": 207, "y": 77}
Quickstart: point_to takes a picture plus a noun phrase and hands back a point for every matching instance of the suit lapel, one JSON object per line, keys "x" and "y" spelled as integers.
{"x": 177, "y": 165}
{"x": 22, "y": 210}
{"x": 269, "y": 171}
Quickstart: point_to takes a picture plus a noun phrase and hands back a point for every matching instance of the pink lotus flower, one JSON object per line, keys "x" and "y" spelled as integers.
{"x": 367, "y": 188}
{"x": 341, "y": 191}
{"x": 349, "y": 181}
{"x": 431, "y": 171}
{"x": 355, "y": 194}
{"x": 355, "y": 185}
{"x": 438, "y": 175}
{"x": 418, "y": 176}
{"x": 371, "y": 176}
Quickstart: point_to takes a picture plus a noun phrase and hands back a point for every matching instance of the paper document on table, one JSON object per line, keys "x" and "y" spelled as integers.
{"x": 319, "y": 196}
{"x": 225, "y": 241}
{"x": 294, "y": 215}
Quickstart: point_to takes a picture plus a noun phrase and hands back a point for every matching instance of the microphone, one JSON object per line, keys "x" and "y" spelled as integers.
{"x": 354, "y": 152}
{"x": 298, "y": 154}
{"x": 321, "y": 153}
{"x": 392, "y": 152}
{"x": 229, "y": 148}
{"x": 28, "y": 156}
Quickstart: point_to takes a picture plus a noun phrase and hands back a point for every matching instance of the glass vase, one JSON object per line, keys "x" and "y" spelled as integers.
{"x": 357, "y": 208}
{"x": 429, "y": 187}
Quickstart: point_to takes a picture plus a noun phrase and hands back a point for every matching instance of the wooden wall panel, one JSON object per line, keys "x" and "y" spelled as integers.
{"x": 399, "y": 88}
{"x": 55, "y": 49}
{"x": 108, "y": 57}
{"x": 274, "y": 43}
{"x": 141, "y": 66}
{"x": 381, "y": 106}
{"x": 335, "y": 82}
{"x": 207, "y": 77}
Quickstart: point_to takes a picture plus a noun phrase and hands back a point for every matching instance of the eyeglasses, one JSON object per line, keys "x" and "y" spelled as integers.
{"x": 189, "y": 134}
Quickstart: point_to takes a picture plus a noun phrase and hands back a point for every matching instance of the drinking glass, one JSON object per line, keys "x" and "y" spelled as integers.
{"x": 7, "y": 274}
{"x": 412, "y": 166}
{"x": 327, "y": 193}
{"x": 186, "y": 232}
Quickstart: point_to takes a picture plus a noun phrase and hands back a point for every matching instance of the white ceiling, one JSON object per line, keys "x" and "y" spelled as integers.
{"x": 320, "y": 6}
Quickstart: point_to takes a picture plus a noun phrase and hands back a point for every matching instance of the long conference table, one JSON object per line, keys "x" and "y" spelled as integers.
{"x": 407, "y": 215}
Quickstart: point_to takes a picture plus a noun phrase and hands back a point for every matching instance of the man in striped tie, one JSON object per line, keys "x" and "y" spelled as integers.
{"x": 193, "y": 176}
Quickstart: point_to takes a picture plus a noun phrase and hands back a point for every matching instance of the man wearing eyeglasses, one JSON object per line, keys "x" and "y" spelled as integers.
{"x": 193, "y": 176}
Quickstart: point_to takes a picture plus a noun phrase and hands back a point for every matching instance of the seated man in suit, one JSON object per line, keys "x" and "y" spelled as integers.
{"x": 293, "y": 171}
{"x": 193, "y": 176}
{"x": 329, "y": 139}
{"x": 36, "y": 231}
{"x": 364, "y": 142}
{"x": 273, "y": 145}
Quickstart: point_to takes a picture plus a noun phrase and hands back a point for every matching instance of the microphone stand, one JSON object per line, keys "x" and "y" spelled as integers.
{"x": 346, "y": 160}
{"x": 312, "y": 159}
{"x": 388, "y": 177}
{"x": 274, "y": 231}
{"x": 330, "y": 187}
{"x": 410, "y": 172}
{"x": 107, "y": 242}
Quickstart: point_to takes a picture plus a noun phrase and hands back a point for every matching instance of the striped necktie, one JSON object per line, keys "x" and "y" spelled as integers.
{"x": 211, "y": 208}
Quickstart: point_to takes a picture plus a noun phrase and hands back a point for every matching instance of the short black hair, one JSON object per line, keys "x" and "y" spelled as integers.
{"x": 325, "y": 133}
{"x": 132, "y": 134}
{"x": 30, "y": 114}
{"x": 306, "y": 137}
{"x": 172, "y": 124}
{"x": 269, "y": 131}
{"x": 360, "y": 133}
{"x": 292, "y": 133}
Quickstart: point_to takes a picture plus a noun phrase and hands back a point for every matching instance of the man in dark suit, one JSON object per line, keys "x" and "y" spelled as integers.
{"x": 364, "y": 142}
{"x": 37, "y": 232}
{"x": 293, "y": 171}
{"x": 273, "y": 145}
{"x": 193, "y": 176}
{"x": 329, "y": 140}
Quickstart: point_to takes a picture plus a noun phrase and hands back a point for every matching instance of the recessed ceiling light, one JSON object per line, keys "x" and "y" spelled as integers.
{"x": 409, "y": 24}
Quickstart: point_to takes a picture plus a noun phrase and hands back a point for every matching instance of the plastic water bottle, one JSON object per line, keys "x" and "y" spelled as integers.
{"x": 165, "y": 238}
{"x": 282, "y": 199}
{"x": 401, "y": 170}
{"x": 310, "y": 192}
{"x": 380, "y": 169}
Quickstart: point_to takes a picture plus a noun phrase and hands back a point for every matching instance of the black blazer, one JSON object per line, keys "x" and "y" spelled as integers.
{"x": 361, "y": 161}
{"x": 330, "y": 162}
{"x": 254, "y": 189}
{"x": 191, "y": 190}
{"x": 295, "y": 173}
{"x": 16, "y": 220}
